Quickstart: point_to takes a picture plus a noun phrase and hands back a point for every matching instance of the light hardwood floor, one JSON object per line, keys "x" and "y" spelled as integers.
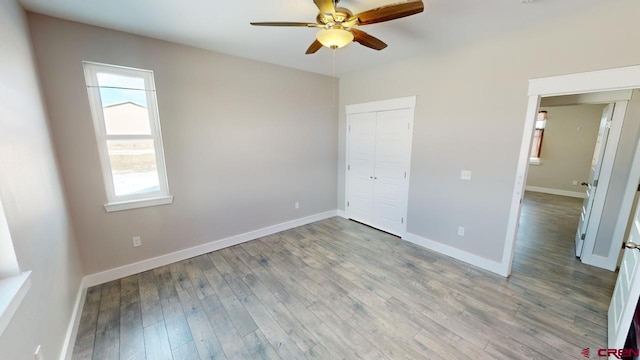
{"x": 337, "y": 289}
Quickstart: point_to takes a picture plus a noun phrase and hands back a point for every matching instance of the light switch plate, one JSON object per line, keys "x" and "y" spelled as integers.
{"x": 465, "y": 175}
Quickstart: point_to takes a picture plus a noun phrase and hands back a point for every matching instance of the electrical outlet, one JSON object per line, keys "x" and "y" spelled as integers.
{"x": 575, "y": 182}
{"x": 37, "y": 355}
{"x": 296, "y": 205}
{"x": 137, "y": 241}
{"x": 460, "y": 231}
{"x": 465, "y": 175}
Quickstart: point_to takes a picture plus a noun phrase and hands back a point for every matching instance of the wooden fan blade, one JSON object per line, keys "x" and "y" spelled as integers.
{"x": 389, "y": 12}
{"x": 315, "y": 46}
{"x": 283, "y": 23}
{"x": 368, "y": 40}
{"x": 325, "y": 6}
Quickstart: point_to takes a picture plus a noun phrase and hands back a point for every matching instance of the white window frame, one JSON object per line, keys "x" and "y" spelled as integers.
{"x": 541, "y": 124}
{"x": 13, "y": 284}
{"x": 115, "y": 202}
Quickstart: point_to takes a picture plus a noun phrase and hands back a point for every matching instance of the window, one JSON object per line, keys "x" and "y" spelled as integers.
{"x": 125, "y": 117}
{"x": 13, "y": 284}
{"x": 538, "y": 134}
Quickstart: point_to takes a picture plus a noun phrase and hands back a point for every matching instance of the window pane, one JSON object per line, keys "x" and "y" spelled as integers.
{"x": 120, "y": 81}
{"x": 133, "y": 166}
{"x": 536, "y": 145}
{"x": 112, "y": 96}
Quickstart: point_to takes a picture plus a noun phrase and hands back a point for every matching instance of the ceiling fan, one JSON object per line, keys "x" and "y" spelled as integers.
{"x": 337, "y": 24}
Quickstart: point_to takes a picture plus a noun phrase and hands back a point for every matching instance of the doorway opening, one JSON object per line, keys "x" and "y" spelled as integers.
{"x": 627, "y": 78}
{"x": 577, "y": 140}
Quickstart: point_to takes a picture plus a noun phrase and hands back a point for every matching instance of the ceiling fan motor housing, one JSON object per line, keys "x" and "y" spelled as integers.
{"x": 341, "y": 15}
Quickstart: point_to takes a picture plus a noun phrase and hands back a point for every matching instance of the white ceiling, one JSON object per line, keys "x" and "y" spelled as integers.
{"x": 223, "y": 26}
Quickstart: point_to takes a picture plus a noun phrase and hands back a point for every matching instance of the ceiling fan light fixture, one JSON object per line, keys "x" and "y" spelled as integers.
{"x": 334, "y": 38}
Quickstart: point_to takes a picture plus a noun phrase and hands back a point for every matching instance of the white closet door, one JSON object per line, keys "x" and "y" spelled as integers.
{"x": 392, "y": 141}
{"x": 624, "y": 299}
{"x": 627, "y": 290}
{"x": 362, "y": 140}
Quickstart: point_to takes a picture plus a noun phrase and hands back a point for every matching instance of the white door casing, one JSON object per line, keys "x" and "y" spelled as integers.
{"x": 594, "y": 173}
{"x": 626, "y": 292}
{"x": 379, "y": 198}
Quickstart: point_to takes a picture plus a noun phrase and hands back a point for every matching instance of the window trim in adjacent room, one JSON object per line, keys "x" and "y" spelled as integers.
{"x": 125, "y": 202}
{"x": 538, "y": 136}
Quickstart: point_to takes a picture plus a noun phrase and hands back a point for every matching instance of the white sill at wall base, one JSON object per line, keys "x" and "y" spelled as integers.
{"x": 12, "y": 292}
{"x": 134, "y": 204}
{"x": 534, "y": 161}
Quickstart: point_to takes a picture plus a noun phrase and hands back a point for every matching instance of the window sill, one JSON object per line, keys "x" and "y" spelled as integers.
{"x": 134, "y": 204}
{"x": 12, "y": 292}
{"x": 534, "y": 161}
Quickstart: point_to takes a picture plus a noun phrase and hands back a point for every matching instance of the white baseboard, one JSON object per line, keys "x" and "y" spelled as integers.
{"x": 574, "y": 194}
{"x": 600, "y": 261}
{"x": 458, "y": 254}
{"x": 74, "y": 323}
{"x": 148, "y": 264}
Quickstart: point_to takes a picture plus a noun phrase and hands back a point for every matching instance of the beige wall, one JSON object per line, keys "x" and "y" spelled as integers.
{"x": 567, "y": 147}
{"x": 484, "y": 135}
{"x": 32, "y": 195}
{"x": 243, "y": 141}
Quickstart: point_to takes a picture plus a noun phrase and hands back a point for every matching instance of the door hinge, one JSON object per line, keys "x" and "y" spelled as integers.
{"x": 349, "y": 167}
{"x": 608, "y": 125}
{"x": 595, "y": 182}
{"x": 347, "y": 204}
{"x": 402, "y": 220}
{"x": 349, "y": 127}
{"x": 405, "y": 176}
{"x": 583, "y": 236}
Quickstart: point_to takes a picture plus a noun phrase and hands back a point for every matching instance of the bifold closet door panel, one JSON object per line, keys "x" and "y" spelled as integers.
{"x": 392, "y": 141}
{"x": 362, "y": 142}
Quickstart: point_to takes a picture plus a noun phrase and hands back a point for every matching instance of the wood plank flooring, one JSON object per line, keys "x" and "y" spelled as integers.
{"x": 337, "y": 289}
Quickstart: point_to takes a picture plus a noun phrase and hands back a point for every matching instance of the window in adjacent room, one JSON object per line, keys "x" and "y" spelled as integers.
{"x": 127, "y": 125}
{"x": 538, "y": 134}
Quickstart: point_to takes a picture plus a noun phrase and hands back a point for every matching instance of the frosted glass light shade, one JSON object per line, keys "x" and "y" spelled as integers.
{"x": 334, "y": 38}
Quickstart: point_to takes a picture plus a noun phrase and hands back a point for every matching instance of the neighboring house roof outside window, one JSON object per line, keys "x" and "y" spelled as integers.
{"x": 125, "y": 118}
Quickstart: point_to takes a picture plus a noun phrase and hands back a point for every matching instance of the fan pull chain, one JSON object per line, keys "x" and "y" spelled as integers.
{"x": 333, "y": 79}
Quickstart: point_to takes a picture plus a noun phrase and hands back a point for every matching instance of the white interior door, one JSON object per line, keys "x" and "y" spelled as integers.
{"x": 391, "y": 166}
{"x": 594, "y": 174}
{"x": 627, "y": 290}
{"x": 361, "y": 156}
